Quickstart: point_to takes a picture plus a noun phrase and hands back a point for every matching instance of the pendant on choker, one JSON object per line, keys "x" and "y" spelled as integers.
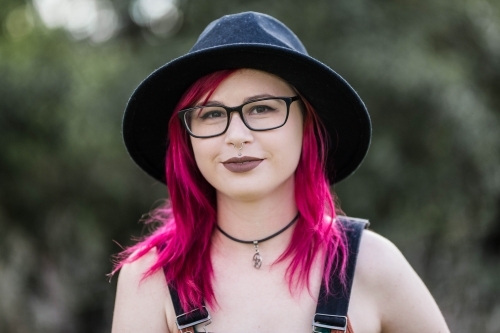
{"x": 257, "y": 258}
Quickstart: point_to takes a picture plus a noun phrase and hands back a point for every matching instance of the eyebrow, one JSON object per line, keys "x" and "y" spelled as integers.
{"x": 246, "y": 100}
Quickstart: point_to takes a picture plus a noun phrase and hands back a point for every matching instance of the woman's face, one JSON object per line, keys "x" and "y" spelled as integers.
{"x": 275, "y": 152}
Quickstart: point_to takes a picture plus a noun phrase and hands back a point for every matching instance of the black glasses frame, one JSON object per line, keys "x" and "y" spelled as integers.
{"x": 239, "y": 109}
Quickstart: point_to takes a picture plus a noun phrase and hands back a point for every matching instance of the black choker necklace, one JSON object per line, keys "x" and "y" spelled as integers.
{"x": 257, "y": 258}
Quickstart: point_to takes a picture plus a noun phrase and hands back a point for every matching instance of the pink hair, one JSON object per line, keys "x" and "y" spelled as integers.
{"x": 183, "y": 238}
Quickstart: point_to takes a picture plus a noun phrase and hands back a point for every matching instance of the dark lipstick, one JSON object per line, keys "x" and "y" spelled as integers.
{"x": 241, "y": 164}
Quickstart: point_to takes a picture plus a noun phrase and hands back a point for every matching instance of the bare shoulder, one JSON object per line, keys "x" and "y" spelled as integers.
{"x": 403, "y": 303}
{"x": 378, "y": 257}
{"x": 381, "y": 267}
{"x": 140, "y": 303}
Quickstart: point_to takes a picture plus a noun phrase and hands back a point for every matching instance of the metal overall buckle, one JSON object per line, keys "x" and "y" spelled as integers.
{"x": 185, "y": 323}
{"x": 331, "y": 322}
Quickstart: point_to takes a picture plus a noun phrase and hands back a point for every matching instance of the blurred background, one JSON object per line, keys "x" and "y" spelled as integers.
{"x": 428, "y": 70}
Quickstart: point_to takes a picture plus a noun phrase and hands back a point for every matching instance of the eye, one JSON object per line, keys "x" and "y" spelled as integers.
{"x": 211, "y": 113}
{"x": 262, "y": 108}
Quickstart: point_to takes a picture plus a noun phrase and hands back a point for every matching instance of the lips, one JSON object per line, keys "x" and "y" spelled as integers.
{"x": 241, "y": 164}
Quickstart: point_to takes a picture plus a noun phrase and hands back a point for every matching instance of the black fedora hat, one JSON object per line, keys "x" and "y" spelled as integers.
{"x": 257, "y": 41}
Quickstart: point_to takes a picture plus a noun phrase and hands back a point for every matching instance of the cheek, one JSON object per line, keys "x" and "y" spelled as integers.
{"x": 296, "y": 148}
{"x": 297, "y": 136}
{"x": 204, "y": 154}
{"x": 289, "y": 148}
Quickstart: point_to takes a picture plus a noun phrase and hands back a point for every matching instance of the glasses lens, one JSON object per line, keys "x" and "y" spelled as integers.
{"x": 206, "y": 121}
{"x": 265, "y": 114}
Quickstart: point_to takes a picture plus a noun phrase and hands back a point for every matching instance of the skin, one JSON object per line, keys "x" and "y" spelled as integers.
{"x": 387, "y": 295}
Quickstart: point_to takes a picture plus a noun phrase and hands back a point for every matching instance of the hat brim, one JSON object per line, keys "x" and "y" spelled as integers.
{"x": 344, "y": 115}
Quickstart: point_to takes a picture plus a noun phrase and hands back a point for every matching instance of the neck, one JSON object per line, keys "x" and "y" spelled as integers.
{"x": 260, "y": 217}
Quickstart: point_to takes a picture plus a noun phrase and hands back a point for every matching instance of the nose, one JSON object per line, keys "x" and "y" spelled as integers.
{"x": 237, "y": 132}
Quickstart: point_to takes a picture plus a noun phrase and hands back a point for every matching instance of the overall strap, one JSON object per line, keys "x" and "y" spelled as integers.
{"x": 187, "y": 320}
{"x": 331, "y": 312}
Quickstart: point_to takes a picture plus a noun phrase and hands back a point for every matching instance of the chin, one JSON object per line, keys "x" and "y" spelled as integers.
{"x": 252, "y": 189}
{"x": 245, "y": 196}
{"x": 242, "y": 191}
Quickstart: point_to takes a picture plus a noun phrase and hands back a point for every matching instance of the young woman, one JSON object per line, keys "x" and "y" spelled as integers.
{"x": 248, "y": 132}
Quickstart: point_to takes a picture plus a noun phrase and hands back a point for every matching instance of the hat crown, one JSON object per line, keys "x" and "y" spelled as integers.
{"x": 248, "y": 28}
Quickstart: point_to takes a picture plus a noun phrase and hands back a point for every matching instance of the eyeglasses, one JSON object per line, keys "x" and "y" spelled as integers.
{"x": 264, "y": 114}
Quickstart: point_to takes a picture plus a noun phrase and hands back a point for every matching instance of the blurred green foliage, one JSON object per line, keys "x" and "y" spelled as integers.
{"x": 429, "y": 72}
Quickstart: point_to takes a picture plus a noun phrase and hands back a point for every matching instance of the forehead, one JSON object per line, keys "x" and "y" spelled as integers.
{"x": 245, "y": 83}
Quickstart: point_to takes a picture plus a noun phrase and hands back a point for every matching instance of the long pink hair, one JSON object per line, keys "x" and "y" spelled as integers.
{"x": 187, "y": 221}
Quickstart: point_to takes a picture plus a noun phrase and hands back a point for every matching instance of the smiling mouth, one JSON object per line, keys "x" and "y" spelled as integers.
{"x": 242, "y": 164}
